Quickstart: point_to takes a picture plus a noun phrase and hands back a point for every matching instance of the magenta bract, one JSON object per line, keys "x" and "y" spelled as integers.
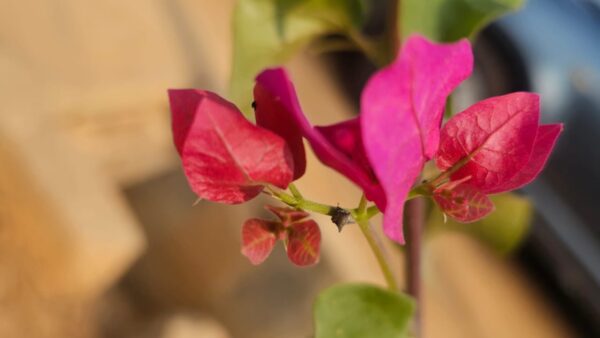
{"x": 401, "y": 112}
{"x": 346, "y": 137}
{"x": 274, "y": 100}
{"x": 225, "y": 158}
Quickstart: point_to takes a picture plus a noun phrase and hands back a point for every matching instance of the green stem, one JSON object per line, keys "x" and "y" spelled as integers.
{"x": 365, "y": 227}
{"x": 372, "y": 211}
{"x": 295, "y": 192}
{"x": 361, "y": 214}
{"x": 362, "y": 205}
{"x": 315, "y": 207}
{"x": 297, "y": 201}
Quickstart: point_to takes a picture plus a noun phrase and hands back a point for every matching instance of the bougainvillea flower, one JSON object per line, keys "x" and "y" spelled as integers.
{"x": 495, "y": 145}
{"x": 225, "y": 158}
{"x": 497, "y": 142}
{"x": 338, "y": 146}
{"x": 301, "y": 236}
{"x": 401, "y": 112}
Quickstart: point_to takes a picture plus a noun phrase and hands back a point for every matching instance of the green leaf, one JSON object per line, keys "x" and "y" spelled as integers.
{"x": 503, "y": 230}
{"x": 450, "y": 20}
{"x": 362, "y": 311}
{"x": 270, "y": 32}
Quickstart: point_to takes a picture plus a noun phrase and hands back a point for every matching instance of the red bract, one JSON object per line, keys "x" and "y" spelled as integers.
{"x": 301, "y": 236}
{"x": 303, "y": 243}
{"x": 542, "y": 148}
{"x": 497, "y": 142}
{"x": 258, "y": 239}
{"x": 491, "y": 140}
{"x": 495, "y": 145}
{"x": 225, "y": 158}
{"x": 274, "y": 100}
{"x": 462, "y": 201}
{"x": 324, "y": 144}
{"x": 401, "y": 112}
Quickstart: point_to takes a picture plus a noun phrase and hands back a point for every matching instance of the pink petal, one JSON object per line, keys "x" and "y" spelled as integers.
{"x": 494, "y": 138}
{"x": 304, "y": 243}
{"x": 542, "y": 148}
{"x": 324, "y": 149}
{"x": 463, "y": 202}
{"x": 258, "y": 239}
{"x": 401, "y": 112}
{"x": 274, "y": 100}
{"x": 225, "y": 158}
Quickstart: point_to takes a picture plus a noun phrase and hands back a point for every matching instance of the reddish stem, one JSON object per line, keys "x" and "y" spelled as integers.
{"x": 414, "y": 223}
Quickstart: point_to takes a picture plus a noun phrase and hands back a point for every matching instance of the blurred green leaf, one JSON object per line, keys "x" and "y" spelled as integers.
{"x": 503, "y": 230}
{"x": 362, "y": 311}
{"x": 269, "y": 32}
{"x": 450, "y": 20}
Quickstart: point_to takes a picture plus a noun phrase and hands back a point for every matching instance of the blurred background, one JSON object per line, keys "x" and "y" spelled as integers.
{"x": 99, "y": 236}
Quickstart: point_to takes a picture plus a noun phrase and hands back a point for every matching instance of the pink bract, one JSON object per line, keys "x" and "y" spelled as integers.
{"x": 225, "y": 158}
{"x": 401, "y": 112}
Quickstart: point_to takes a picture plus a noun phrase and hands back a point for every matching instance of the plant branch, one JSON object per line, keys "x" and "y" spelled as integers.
{"x": 378, "y": 251}
{"x": 393, "y": 29}
{"x": 374, "y": 50}
{"x": 414, "y": 221}
{"x": 295, "y": 192}
{"x": 297, "y": 201}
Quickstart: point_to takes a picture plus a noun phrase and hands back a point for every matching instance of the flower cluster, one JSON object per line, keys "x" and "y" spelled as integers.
{"x": 495, "y": 145}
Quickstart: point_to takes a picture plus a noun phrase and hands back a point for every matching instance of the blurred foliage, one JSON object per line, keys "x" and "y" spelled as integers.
{"x": 450, "y": 20}
{"x": 270, "y": 32}
{"x": 503, "y": 230}
{"x": 362, "y": 311}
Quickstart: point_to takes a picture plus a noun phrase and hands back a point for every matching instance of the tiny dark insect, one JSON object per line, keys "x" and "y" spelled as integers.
{"x": 340, "y": 217}
{"x": 254, "y": 105}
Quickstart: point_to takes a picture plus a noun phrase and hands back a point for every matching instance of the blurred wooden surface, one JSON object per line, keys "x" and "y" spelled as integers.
{"x": 84, "y": 116}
